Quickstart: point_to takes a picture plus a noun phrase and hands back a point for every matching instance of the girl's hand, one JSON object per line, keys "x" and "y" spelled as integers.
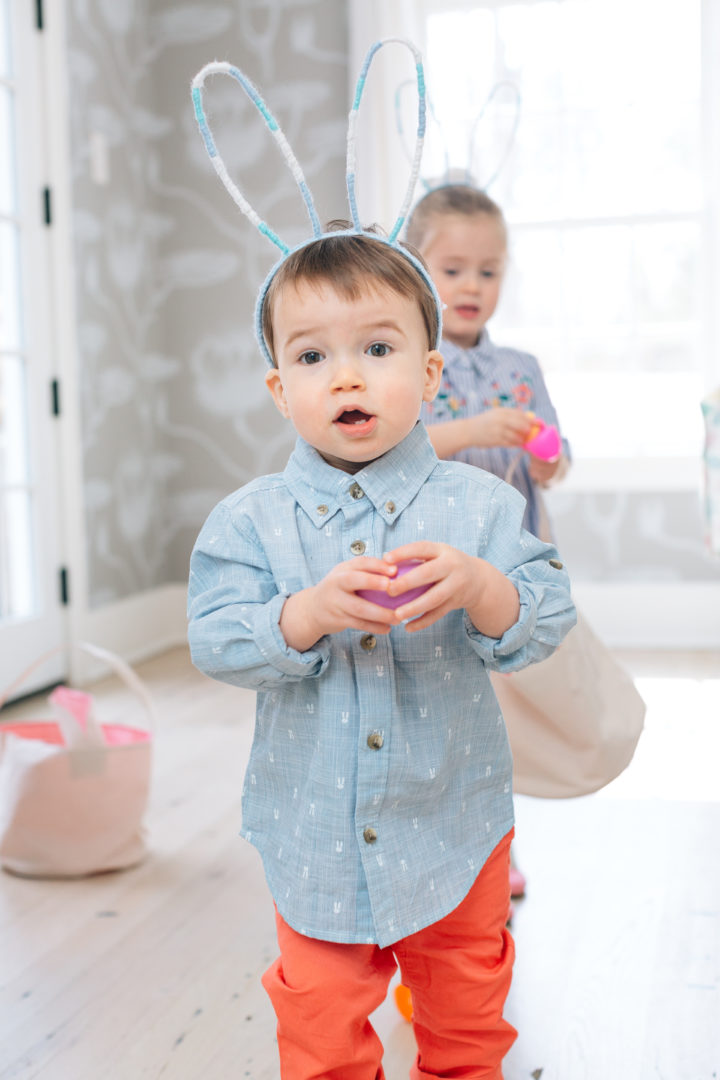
{"x": 501, "y": 427}
{"x": 457, "y": 580}
{"x": 541, "y": 471}
{"x": 333, "y": 604}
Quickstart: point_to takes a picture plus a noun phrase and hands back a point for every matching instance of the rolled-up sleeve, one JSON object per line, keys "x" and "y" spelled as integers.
{"x": 234, "y": 609}
{"x": 547, "y": 612}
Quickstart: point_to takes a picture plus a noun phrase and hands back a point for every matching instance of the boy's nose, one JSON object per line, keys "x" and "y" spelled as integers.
{"x": 347, "y": 375}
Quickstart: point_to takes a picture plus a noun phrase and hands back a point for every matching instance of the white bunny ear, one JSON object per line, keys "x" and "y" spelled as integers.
{"x": 351, "y": 138}
{"x": 432, "y": 125}
{"x": 470, "y": 172}
{"x": 222, "y": 68}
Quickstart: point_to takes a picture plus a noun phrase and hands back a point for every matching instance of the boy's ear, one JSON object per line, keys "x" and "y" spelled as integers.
{"x": 277, "y": 391}
{"x": 433, "y": 373}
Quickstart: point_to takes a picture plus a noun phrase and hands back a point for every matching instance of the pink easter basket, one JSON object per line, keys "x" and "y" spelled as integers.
{"x": 73, "y": 792}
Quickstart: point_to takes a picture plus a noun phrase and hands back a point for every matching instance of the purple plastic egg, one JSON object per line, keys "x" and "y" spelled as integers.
{"x": 377, "y": 596}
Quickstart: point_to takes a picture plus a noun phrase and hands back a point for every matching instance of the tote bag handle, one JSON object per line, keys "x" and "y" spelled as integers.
{"x": 118, "y": 665}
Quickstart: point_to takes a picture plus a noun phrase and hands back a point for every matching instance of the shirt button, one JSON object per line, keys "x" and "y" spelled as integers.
{"x": 356, "y": 491}
{"x": 368, "y": 642}
{"x": 358, "y": 547}
{"x": 322, "y": 509}
{"x": 375, "y": 740}
{"x": 556, "y": 564}
{"x": 390, "y": 506}
{"x": 369, "y": 835}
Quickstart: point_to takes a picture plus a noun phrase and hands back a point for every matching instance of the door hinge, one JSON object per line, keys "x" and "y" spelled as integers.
{"x": 47, "y": 206}
{"x": 55, "y": 397}
{"x": 64, "y": 585}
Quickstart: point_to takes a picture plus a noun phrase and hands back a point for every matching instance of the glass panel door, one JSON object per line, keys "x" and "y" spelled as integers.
{"x": 30, "y": 612}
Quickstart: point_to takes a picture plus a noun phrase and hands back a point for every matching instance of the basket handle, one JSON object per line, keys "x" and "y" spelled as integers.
{"x": 118, "y": 665}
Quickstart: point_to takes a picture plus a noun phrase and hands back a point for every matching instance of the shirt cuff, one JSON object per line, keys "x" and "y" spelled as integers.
{"x": 514, "y": 639}
{"x": 275, "y": 650}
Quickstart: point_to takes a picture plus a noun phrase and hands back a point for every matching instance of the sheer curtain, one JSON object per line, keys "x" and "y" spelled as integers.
{"x": 382, "y": 162}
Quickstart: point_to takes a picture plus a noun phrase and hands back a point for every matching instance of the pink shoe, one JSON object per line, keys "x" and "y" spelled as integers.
{"x": 518, "y": 882}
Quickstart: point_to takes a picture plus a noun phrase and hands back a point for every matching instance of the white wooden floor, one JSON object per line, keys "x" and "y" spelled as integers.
{"x": 154, "y": 972}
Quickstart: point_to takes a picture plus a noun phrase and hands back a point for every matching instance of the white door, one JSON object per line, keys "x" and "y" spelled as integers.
{"x": 31, "y": 603}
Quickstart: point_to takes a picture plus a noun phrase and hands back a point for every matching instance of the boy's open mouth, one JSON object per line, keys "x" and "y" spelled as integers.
{"x": 353, "y": 417}
{"x": 468, "y": 311}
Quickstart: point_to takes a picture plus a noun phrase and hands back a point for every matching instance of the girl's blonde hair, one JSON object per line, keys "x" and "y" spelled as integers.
{"x": 450, "y": 200}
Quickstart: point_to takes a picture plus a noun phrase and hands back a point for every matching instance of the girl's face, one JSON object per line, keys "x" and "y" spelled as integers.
{"x": 466, "y": 258}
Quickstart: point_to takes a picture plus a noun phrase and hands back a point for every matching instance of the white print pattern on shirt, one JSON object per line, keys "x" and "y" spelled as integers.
{"x": 418, "y": 698}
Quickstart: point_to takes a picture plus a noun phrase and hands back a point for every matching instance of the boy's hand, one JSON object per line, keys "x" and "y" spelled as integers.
{"x": 457, "y": 580}
{"x": 333, "y": 604}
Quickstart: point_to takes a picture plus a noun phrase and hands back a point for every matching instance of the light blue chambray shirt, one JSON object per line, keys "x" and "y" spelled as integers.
{"x": 484, "y": 377}
{"x": 380, "y": 776}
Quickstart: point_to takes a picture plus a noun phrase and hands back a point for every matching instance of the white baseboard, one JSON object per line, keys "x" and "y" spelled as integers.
{"x": 135, "y": 628}
{"x": 650, "y": 615}
{"x": 653, "y": 615}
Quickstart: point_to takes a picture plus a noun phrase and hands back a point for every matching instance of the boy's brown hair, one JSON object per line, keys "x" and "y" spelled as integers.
{"x": 450, "y": 200}
{"x": 352, "y": 264}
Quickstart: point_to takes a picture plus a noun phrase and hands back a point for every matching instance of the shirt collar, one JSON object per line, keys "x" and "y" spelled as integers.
{"x": 468, "y": 358}
{"x": 390, "y": 483}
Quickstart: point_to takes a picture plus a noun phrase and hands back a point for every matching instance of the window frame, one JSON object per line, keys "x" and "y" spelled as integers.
{"x": 649, "y": 473}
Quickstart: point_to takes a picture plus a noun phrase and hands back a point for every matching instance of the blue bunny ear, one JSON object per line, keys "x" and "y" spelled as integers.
{"x": 420, "y": 137}
{"x": 485, "y": 182}
{"x": 198, "y": 83}
{"x": 431, "y": 125}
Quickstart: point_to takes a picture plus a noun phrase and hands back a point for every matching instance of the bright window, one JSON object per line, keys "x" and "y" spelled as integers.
{"x": 605, "y": 190}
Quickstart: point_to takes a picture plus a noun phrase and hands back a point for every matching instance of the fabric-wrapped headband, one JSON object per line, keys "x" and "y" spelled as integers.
{"x": 224, "y": 68}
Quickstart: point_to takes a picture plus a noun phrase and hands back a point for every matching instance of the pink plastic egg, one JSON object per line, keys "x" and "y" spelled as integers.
{"x": 546, "y": 444}
{"x": 377, "y": 596}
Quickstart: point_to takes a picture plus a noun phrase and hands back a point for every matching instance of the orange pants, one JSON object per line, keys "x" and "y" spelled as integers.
{"x": 458, "y": 971}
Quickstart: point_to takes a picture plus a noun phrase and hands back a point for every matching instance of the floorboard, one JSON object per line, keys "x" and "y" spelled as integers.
{"x": 154, "y": 972}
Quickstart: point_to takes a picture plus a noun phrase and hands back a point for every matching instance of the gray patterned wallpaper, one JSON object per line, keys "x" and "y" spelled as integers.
{"x": 175, "y": 410}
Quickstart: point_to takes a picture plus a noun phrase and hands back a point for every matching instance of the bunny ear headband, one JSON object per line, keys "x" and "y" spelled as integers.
{"x": 470, "y": 172}
{"x": 253, "y": 94}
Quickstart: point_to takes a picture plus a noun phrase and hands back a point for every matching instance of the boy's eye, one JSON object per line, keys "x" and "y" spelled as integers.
{"x": 378, "y": 348}
{"x": 488, "y": 273}
{"x": 450, "y": 272}
{"x": 310, "y": 356}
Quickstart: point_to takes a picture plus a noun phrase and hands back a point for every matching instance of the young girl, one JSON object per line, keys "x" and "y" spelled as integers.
{"x": 484, "y": 411}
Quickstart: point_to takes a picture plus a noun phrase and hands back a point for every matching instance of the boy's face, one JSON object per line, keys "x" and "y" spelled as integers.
{"x": 351, "y": 374}
{"x": 466, "y": 259}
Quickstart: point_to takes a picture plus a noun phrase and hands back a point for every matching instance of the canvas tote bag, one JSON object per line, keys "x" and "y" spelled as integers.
{"x": 73, "y": 792}
{"x": 573, "y": 719}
